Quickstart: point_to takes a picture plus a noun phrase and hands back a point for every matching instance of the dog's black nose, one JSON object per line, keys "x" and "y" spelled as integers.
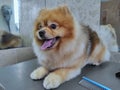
{"x": 42, "y": 34}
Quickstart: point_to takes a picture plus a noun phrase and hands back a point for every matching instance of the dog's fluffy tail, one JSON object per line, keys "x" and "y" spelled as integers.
{"x": 109, "y": 38}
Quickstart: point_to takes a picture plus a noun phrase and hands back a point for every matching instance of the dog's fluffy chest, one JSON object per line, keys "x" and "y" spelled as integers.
{"x": 54, "y": 60}
{"x": 57, "y": 60}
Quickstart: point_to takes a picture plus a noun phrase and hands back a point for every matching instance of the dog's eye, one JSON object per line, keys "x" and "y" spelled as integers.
{"x": 39, "y": 26}
{"x": 53, "y": 26}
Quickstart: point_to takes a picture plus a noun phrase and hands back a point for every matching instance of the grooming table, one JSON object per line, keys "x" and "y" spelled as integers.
{"x": 17, "y": 77}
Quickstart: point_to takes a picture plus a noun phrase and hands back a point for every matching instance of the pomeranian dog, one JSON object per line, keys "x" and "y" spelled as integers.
{"x": 64, "y": 47}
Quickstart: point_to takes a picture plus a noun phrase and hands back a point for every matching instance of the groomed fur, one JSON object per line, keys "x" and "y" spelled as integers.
{"x": 78, "y": 45}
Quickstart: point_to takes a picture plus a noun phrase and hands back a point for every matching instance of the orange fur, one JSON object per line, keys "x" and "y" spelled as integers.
{"x": 65, "y": 23}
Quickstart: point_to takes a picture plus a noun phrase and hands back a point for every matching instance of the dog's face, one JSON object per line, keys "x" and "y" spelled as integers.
{"x": 53, "y": 27}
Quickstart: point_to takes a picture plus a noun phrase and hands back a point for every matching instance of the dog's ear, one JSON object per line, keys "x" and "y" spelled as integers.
{"x": 64, "y": 9}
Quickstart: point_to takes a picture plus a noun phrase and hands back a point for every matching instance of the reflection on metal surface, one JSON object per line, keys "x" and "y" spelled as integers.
{"x": 2, "y": 87}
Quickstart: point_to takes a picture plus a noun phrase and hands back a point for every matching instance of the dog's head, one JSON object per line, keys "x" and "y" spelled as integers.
{"x": 53, "y": 27}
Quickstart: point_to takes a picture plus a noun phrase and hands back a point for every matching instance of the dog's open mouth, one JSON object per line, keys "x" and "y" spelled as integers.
{"x": 49, "y": 43}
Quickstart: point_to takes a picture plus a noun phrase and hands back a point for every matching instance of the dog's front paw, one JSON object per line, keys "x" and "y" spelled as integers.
{"x": 52, "y": 81}
{"x": 38, "y": 73}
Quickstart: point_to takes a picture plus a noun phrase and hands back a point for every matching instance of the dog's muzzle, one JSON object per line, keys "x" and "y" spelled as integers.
{"x": 42, "y": 34}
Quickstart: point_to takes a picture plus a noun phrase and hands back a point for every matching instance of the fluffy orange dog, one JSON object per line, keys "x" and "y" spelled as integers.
{"x": 63, "y": 46}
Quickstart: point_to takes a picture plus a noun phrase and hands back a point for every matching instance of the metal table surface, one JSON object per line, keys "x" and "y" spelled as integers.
{"x": 16, "y": 77}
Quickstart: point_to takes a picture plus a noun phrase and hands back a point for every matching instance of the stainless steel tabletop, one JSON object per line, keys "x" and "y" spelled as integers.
{"x": 16, "y": 77}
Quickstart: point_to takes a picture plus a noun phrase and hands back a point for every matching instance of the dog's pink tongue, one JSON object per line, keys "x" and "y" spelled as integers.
{"x": 46, "y": 44}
